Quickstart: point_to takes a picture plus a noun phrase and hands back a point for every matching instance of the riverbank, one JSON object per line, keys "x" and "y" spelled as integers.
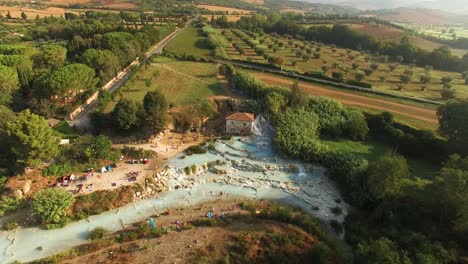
{"x": 187, "y": 235}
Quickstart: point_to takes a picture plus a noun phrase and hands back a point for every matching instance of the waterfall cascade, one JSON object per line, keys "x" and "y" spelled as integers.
{"x": 262, "y": 126}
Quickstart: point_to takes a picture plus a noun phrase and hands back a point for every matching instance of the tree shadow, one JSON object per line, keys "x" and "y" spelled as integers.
{"x": 205, "y": 75}
{"x": 201, "y": 44}
{"x": 216, "y": 89}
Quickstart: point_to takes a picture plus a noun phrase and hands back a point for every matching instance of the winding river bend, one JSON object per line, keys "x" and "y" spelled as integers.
{"x": 240, "y": 167}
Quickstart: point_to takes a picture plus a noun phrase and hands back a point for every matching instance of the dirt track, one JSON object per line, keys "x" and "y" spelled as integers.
{"x": 352, "y": 99}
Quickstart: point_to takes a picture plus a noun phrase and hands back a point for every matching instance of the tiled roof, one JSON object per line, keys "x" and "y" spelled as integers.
{"x": 248, "y": 117}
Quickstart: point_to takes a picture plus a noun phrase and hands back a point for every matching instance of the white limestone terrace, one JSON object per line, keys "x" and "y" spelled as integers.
{"x": 241, "y": 167}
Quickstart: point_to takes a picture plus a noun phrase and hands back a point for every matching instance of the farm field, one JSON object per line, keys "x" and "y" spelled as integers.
{"x": 228, "y": 10}
{"x": 66, "y": 2}
{"x": 415, "y": 116}
{"x": 256, "y": 2}
{"x": 31, "y": 13}
{"x": 120, "y": 6}
{"x": 305, "y": 57}
{"x": 442, "y": 32}
{"x": 230, "y": 18}
{"x": 182, "y": 82}
{"x": 293, "y": 10}
{"x": 189, "y": 42}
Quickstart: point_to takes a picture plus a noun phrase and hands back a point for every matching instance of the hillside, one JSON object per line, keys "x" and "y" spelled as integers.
{"x": 384, "y": 32}
{"x": 420, "y": 16}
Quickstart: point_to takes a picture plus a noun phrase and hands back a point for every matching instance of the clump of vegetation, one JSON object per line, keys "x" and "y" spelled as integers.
{"x": 194, "y": 168}
{"x": 101, "y": 201}
{"x": 98, "y": 233}
{"x": 10, "y": 226}
{"x": 50, "y": 207}
{"x": 10, "y": 203}
{"x": 197, "y": 149}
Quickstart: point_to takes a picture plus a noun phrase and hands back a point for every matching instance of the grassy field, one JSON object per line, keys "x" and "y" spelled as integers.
{"x": 405, "y": 120}
{"x": 31, "y": 13}
{"x": 65, "y": 130}
{"x": 372, "y": 151}
{"x": 229, "y": 10}
{"x": 442, "y": 32}
{"x": 422, "y": 173}
{"x": 189, "y": 42}
{"x": 337, "y": 59}
{"x": 182, "y": 82}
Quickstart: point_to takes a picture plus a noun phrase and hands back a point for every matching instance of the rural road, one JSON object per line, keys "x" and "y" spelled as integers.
{"x": 353, "y": 99}
{"x": 270, "y": 76}
{"x": 82, "y": 122}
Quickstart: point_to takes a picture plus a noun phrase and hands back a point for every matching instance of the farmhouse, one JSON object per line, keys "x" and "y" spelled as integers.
{"x": 240, "y": 123}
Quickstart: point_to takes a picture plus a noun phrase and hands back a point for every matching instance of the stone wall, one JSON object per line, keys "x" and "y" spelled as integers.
{"x": 239, "y": 127}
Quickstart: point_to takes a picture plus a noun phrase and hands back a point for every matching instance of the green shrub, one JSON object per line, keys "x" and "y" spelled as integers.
{"x": 195, "y": 150}
{"x": 10, "y": 226}
{"x": 9, "y": 204}
{"x": 50, "y": 205}
{"x": 205, "y": 222}
{"x": 98, "y": 233}
{"x": 320, "y": 254}
{"x": 59, "y": 170}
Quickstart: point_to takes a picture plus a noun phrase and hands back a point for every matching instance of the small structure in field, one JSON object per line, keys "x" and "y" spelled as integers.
{"x": 240, "y": 123}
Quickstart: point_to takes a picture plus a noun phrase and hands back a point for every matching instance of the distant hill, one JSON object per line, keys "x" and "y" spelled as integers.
{"x": 452, "y": 6}
{"x": 421, "y": 16}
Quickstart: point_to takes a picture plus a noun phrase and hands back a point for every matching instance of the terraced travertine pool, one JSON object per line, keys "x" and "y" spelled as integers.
{"x": 241, "y": 167}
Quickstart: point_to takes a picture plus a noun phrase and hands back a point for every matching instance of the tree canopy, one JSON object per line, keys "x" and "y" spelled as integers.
{"x": 51, "y": 56}
{"x": 122, "y": 44}
{"x": 128, "y": 114}
{"x": 453, "y": 123}
{"x": 9, "y": 82}
{"x": 155, "y": 105}
{"x": 382, "y": 251}
{"x": 66, "y": 80}
{"x": 104, "y": 62}
{"x": 50, "y": 205}
{"x": 34, "y": 141}
{"x": 454, "y": 174}
{"x": 296, "y": 132}
{"x": 385, "y": 175}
